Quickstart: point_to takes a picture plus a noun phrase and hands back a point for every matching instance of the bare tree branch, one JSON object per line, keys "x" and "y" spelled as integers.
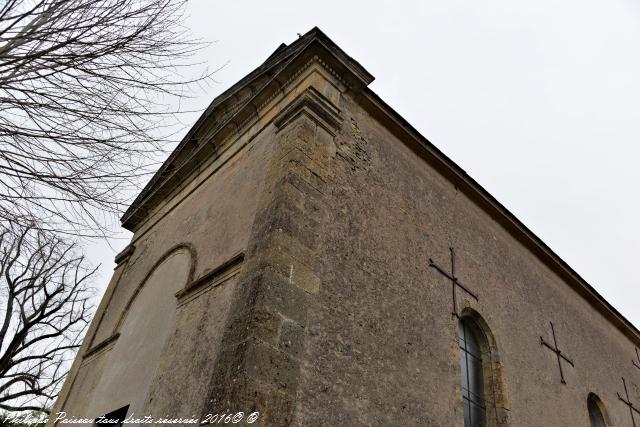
{"x": 86, "y": 95}
{"x": 44, "y": 306}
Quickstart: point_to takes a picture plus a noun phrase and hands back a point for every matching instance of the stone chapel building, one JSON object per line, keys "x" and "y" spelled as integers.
{"x": 306, "y": 254}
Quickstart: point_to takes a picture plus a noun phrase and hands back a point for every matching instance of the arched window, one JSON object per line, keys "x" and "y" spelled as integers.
{"x": 471, "y": 363}
{"x": 597, "y": 417}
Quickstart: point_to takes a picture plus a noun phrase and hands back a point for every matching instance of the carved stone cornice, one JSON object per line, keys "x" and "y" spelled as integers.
{"x": 212, "y": 278}
{"x": 102, "y": 345}
{"x": 124, "y": 255}
{"x": 240, "y": 106}
{"x": 316, "y": 107}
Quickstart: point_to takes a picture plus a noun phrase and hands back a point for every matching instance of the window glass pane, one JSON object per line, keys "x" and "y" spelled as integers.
{"x": 472, "y": 342}
{"x": 463, "y": 366}
{"x": 471, "y": 376}
{"x": 477, "y": 416}
{"x": 595, "y": 415}
{"x": 475, "y": 379}
{"x": 467, "y": 413}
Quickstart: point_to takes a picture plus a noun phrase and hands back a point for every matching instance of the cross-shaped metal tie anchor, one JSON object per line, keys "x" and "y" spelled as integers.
{"x": 636, "y": 364}
{"x": 455, "y": 283}
{"x": 627, "y": 402}
{"x": 557, "y": 351}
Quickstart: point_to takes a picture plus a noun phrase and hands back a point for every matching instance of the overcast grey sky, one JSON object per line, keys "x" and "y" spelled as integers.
{"x": 538, "y": 101}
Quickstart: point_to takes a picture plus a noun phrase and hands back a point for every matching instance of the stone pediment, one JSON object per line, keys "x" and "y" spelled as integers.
{"x": 244, "y": 102}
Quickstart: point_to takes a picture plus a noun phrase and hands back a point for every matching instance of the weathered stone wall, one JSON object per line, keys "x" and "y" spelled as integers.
{"x": 260, "y": 360}
{"x": 210, "y": 220}
{"x": 381, "y": 343}
{"x": 238, "y": 328}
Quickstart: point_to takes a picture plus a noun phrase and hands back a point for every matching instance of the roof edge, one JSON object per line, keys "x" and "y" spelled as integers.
{"x": 354, "y": 74}
{"x": 507, "y": 219}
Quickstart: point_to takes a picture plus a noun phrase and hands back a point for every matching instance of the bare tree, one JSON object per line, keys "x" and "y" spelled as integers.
{"x": 44, "y": 311}
{"x": 86, "y": 95}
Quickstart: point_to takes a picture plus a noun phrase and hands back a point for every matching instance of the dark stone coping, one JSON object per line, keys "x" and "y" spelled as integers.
{"x": 96, "y": 348}
{"x": 210, "y": 276}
